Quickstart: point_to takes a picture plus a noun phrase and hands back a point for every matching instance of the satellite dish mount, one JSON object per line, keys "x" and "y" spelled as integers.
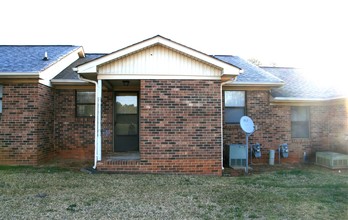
{"x": 247, "y": 125}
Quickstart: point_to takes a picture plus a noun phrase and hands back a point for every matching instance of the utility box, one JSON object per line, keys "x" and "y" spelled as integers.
{"x": 284, "y": 150}
{"x": 238, "y": 155}
{"x": 331, "y": 160}
{"x": 271, "y": 157}
{"x": 257, "y": 150}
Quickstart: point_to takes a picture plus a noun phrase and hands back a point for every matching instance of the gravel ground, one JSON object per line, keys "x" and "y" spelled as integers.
{"x": 55, "y": 193}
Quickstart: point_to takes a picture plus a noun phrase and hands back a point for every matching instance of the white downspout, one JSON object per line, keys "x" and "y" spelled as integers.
{"x": 96, "y": 121}
{"x": 222, "y": 118}
{"x": 99, "y": 113}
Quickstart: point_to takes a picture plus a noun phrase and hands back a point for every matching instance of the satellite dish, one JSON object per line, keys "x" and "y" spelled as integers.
{"x": 247, "y": 124}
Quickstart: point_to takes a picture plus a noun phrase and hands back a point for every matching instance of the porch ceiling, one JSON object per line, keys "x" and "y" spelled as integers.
{"x": 121, "y": 83}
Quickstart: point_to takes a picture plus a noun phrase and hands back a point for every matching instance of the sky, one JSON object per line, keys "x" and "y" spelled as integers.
{"x": 301, "y": 33}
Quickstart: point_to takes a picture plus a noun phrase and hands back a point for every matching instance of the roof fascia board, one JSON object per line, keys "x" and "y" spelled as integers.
{"x": 34, "y": 75}
{"x": 153, "y": 76}
{"x": 91, "y": 67}
{"x": 75, "y": 87}
{"x": 302, "y": 101}
{"x": 246, "y": 88}
{"x": 18, "y": 80}
{"x": 68, "y": 82}
{"x": 245, "y": 84}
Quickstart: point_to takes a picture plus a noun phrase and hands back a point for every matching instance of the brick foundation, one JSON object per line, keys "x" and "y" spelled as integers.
{"x": 169, "y": 166}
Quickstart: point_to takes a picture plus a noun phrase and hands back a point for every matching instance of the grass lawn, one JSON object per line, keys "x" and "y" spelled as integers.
{"x": 55, "y": 193}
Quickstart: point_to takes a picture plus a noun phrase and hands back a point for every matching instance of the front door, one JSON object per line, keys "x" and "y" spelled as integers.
{"x": 126, "y": 128}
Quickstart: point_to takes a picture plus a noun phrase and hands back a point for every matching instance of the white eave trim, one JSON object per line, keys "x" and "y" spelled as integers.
{"x": 154, "y": 76}
{"x": 295, "y": 99}
{"x": 247, "y": 84}
{"x": 92, "y": 67}
{"x": 68, "y": 82}
{"x": 31, "y": 75}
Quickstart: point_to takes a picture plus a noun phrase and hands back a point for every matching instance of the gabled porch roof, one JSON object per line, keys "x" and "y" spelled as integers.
{"x": 158, "y": 58}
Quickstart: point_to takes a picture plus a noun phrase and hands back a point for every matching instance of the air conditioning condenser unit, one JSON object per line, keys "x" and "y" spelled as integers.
{"x": 238, "y": 155}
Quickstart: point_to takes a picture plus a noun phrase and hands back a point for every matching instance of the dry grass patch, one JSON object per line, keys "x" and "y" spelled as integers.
{"x": 54, "y": 193}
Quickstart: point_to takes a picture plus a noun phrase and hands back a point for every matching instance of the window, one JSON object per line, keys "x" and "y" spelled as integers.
{"x": 85, "y": 104}
{"x": 1, "y": 92}
{"x": 300, "y": 122}
{"x": 234, "y": 106}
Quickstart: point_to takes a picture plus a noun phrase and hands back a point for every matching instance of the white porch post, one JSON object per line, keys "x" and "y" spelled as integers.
{"x": 98, "y": 117}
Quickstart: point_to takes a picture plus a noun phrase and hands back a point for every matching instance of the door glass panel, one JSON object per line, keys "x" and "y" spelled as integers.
{"x": 126, "y": 128}
{"x": 126, "y": 104}
{"x": 126, "y": 125}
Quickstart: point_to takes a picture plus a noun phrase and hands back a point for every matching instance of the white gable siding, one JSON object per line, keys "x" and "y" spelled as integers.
{"x": 159, "y": 62}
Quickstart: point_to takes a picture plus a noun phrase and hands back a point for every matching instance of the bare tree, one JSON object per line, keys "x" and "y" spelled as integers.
{"x": 255, "y": 61}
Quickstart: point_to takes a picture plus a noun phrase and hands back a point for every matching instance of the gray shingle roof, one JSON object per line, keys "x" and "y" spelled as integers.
{"x": 251, "y": 73}
{"x": 29, "y": 58}
{"x": 68, "y": 72}
{"x": 298, "y": 85}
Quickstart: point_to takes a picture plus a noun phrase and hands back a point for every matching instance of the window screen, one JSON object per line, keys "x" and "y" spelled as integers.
{"x": 234, "y": 106}
{"x": 85, "y": 104}
{"x": 300, "y": 122}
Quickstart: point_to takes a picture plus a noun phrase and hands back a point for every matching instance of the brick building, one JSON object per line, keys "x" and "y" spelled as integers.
{"x": 157, "y": 107}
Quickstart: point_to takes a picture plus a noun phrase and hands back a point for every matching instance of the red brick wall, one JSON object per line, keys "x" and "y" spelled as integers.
{"x": 107, "y": 122}
{"x": 180, "y": 126}
{"x": 338, "y": 127}
{"x": 26, "y": 124}
{"x": 274, "y": 128}
{"x": 273, "y": 125}
{"x": 45, "y": 124}
{"x": 319, "y": 131}
{"x": 74, "y": 136}
{"x": 18, "y": 133}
